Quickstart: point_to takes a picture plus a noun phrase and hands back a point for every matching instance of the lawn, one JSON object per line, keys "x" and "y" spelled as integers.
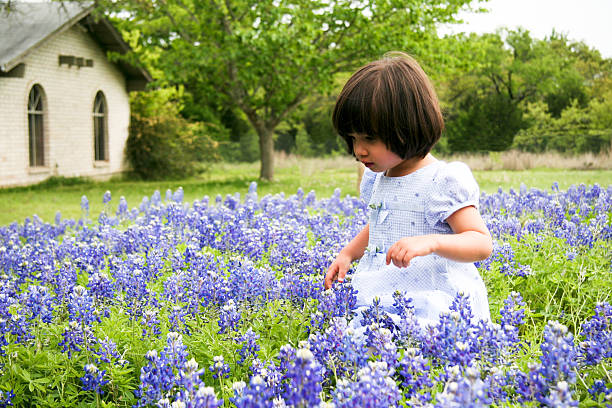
{"x": 321, "y": 175}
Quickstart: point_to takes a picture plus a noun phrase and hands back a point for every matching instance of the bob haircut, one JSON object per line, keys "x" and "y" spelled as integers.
{"x": 392, "y": 100}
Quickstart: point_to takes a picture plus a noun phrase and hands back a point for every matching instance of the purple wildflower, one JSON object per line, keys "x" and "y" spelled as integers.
{"x": 219, "y": 368}
{"x": 93, "y": 380}
{"x": 249, "y": 347}
{"x": 374, "y": 387}
{"x": 303, "y": 380}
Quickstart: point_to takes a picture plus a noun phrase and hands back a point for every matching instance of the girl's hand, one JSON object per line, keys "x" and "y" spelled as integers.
{"x": 402, "y": 252}
{"x": 337, "y": 270}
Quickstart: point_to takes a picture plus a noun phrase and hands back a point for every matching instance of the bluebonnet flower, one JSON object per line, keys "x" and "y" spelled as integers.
{"x": 414, "y": 371}
{"x": 286, "y": 356}
{"x": 451, "y": 340}
{"x": 75, "y": 336}
{"x": 162, "y": 373}
{"x": 597, "y": 332}
{"x": 463, "y": 391}
{"x": 256, "y": 395}
{"x": 39, "y": 302}
{"x": 346, "y": 299}
{"x": 178, "y": 320}
{"x": 229, "y": 317}
{"x": 107, "y": 352}
{"x": 336, "y": 348}
{"x": 272, "y": 375}
{"x": 93, "y": 380}
{"x": 408, "y": 330}
{"x": 556, "y": 366}
{"x": 598, "y": 388}
{"x": 106, "y": 198}
{"x": 203, "y": 397}
{"x": 6, "y": 398}
{"x": 374, "y": 387}
{"x": 156, "y": 199}
{"x": 85, "y": 205}
{"x": 303, "y": 380}
{"x": 497, "y": 342}
{"x": 175, "y": 352}
{"x": 380, "y": 343}
{"x": 504, "y": 254}
{"x": 150, "y": 322}
{"x": 325, "y": 309}
{"x": 219, "y": 368}
{"x": 156, "y": 379}
{"x": 376, "y": 314}
{"x": 249, "y": 345}
{"x": 192, "y": 391}
{"x": 560, "y": 396}
{"x": 252, "y": 193}
{"x": 122, "y": 208}
{"x": 101, "y": 287}
{"x": 81, "y": 307}
{"x": 558, "y": 354}
{"x": 20, "y": 327}
{"x": 178, "y": 195}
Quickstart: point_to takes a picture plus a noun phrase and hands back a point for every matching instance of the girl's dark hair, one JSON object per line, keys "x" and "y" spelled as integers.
{"x": 392, "y": 100}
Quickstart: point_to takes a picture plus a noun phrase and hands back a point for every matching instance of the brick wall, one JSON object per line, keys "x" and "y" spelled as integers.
{"x": 69, "y": 98}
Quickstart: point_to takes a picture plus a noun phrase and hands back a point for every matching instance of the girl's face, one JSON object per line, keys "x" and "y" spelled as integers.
{"x": 373, "y": 153}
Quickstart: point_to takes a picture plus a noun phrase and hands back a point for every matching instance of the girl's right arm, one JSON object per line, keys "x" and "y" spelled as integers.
{"x": 352, "y": 251}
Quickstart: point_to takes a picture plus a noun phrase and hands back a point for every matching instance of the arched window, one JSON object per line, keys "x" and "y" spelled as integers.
{"x": 100, "y": 127}
{"x": 36, "y": 134}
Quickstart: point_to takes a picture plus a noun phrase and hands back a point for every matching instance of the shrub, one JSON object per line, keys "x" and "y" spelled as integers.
{"x": 163, "y": 144}
{"x": 577, "y": 130}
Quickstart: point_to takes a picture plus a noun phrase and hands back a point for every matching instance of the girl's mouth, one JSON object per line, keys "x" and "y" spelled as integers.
{"x": 368, "y": 164}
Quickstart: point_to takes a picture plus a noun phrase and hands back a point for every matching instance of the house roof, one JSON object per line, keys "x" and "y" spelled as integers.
{"x": 25, "y": 26}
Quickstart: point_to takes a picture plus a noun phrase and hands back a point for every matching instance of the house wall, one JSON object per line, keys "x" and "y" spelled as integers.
{"x": 69, "y": 97}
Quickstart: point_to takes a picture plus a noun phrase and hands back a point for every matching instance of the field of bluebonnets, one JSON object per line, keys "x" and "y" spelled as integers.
{"x": 220, "y": 302}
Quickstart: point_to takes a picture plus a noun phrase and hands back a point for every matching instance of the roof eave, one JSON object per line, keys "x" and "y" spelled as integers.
{"x": 6, "y": 67}
{"x": 103, "y": 31}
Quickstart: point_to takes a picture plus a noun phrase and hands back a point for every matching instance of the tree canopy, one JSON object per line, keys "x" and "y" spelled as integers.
{"x": 486, "y": 99}
{"x": 265, "y": 57}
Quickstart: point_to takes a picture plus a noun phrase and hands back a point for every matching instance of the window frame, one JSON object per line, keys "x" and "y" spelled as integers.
{"x": 36, "y": 112}
{"x": 100, "y": 128}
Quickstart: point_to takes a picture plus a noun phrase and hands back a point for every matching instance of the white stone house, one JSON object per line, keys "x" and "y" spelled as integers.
{"x": 64, "y": 107}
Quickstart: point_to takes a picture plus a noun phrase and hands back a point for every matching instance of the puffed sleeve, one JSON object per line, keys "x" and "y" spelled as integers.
{"x": 454, "y": 187}
{"x": 367, "y": 185}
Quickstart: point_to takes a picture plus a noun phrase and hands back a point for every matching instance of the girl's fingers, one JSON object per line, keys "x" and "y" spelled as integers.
{"x": 406, "y": 260}
{"x": 330, "y": 276}
{"x": 391, "y": 253}
{"x": 398, "y": 258}
{"x": 342, "y": 273}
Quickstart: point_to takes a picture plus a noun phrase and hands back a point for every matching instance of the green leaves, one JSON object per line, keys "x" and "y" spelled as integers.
{"x": 266, "y": 57}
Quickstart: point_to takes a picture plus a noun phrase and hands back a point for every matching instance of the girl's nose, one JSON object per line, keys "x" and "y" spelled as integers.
{"x": 359, "y": 149}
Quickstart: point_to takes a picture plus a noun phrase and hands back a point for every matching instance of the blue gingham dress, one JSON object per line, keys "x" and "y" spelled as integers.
{"x": 411, "y": 205}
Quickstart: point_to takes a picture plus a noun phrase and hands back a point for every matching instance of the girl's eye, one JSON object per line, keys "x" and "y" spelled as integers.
{"x": 370, "y": 138}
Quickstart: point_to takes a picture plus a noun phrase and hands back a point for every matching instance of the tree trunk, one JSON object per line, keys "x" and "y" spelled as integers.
{"x": 266, "y": 153}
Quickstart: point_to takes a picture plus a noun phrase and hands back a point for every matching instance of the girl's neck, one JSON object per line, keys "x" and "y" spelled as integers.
{"x": 410, "y": 166}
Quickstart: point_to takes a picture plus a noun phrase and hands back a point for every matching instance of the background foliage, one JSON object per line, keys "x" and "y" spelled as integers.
{"x": 267, "y": 73}
{"x": 162, "y": 143}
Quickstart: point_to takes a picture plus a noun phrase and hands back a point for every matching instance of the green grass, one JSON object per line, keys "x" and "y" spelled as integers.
{"x": 320, "y": 175}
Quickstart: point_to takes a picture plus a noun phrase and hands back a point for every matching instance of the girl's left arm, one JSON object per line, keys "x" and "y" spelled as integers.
{"x": 470, "y": 242}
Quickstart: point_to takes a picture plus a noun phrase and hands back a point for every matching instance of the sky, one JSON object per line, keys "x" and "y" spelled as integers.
{"x": 589, "y": 21}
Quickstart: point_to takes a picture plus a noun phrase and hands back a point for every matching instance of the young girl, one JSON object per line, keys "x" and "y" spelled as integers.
{"x": 424, "y": 230}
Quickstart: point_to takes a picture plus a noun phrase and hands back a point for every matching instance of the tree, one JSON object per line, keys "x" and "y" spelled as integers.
{"x": 507, "y": 70}
{"x": 265, "y": 57}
